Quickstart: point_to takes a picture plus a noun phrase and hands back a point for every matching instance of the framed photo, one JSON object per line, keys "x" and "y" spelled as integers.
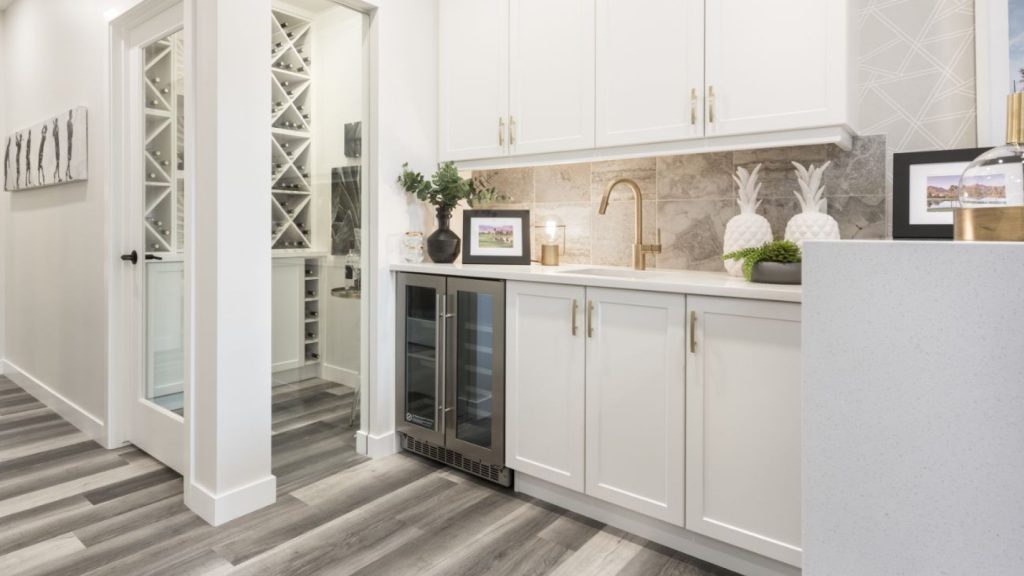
{"x": 925, "y": 191}
{"x": 999, "y": 59}
{"x": 496, "y": 237}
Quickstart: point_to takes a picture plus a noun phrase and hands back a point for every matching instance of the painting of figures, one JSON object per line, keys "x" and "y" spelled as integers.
{"x": 52, "y": 152}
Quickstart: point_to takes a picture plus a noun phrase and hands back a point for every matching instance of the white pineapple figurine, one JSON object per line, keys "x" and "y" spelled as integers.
{"x": 748, "y": 229}
{"x": 813, "y": 223}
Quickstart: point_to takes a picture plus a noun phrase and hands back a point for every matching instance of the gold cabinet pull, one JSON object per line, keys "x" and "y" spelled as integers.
{"x": 711, "y": 104}
{"x": 693, "y": 331}
{"x": 512, "y": 130}
{"x": 693, "y": 106}
{"x": 590, "y": 319}
{"x": 575, "y": 308}
{"x": 501, "y": 131}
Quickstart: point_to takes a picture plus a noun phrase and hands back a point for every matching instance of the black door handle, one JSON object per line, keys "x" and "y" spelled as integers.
{"x": 153, "y": 257}
{"x": 133, "y": 257}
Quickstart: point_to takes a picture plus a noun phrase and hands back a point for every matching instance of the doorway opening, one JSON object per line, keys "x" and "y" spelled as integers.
{"x": 319, "y": 84}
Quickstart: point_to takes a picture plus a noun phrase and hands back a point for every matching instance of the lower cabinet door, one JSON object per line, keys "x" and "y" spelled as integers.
{"x": 743, "y": 425}
{"x": 545, "y": 382}
{"x": 635, "y": 400}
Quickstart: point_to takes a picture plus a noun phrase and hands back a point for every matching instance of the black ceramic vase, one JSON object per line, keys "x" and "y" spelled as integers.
{"x": 443, "y": 245}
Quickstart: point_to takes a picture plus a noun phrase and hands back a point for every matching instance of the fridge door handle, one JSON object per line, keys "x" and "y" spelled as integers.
{"x": 439, "y": 359}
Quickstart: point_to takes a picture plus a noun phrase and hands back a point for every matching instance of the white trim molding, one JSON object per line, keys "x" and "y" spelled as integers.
{"x": 73, "y": 413}
{"x": 696, "y": 545}
{"x": 219, "y": 509}
{"x": 377, "y": 446}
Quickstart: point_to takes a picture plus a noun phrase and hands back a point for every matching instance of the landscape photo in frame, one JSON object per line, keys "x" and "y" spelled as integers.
{"x": 52, "y": 152}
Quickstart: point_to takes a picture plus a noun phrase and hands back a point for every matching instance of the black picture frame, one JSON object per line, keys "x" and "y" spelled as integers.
{"x": 902, "y": 162}
{"x": 473, "y": 218}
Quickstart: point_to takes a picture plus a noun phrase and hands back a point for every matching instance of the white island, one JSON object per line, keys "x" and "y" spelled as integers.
{"x": 913, "y": 426}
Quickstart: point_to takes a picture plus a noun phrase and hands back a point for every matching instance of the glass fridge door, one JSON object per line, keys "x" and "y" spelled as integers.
{"x": 476, "y": 367}
{"x": 420, "y": 363}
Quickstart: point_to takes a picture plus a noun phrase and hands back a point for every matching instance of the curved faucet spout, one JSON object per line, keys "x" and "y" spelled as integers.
{"x": 640, "y": 250}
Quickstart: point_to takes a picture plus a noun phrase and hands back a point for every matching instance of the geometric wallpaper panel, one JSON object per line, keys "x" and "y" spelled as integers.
{"x": 916, "y": 74}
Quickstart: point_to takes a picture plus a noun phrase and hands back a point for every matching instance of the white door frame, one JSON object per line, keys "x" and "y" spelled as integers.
{"x": 126, "y": 336}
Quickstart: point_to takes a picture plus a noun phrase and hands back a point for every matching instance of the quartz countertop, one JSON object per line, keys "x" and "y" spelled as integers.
{"x": 653, "y": 280}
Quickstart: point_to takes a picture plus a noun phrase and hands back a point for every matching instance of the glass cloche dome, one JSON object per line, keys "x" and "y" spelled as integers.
{"x": 991, "y": 189}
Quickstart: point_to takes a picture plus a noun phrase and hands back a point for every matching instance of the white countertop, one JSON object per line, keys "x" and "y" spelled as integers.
{"x": 654, "y": 280}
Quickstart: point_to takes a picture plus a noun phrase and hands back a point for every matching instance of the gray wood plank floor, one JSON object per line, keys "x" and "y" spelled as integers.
{"x": 69, "y": 507}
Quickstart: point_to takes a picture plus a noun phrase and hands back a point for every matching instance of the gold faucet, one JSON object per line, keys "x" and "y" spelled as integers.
{"x": 640, "y": 250}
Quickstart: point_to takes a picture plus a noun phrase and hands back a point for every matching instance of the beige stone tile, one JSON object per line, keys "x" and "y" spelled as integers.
{"x": 640, "y": 170}
{"x": 577, "y": 219}
{"x": 859, "y": 172}
{"x": 777, "y": 175}
{"x": 562, "y": 183}
{"x": 694, "y": 176}
{"x": 613, "y": 233}
{"x": 513, "y": 185}
{"x": 692, "y": 233}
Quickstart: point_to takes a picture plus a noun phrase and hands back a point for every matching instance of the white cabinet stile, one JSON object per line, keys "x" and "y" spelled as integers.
{"x": 743, "y": 415}
{"x": 545, "y": 373}
{"x": 635, "y": 400}
{"x": 650, "y": 71}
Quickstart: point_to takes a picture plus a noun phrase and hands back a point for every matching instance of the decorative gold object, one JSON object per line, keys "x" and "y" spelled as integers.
{"x": 552, "y": 244}
{"x": 991, "y": 189}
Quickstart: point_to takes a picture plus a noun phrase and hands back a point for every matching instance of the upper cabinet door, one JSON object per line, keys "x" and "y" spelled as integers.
{"x": 774, "y": 66}
{"x": 473, "y": 78}
{"x": 650, "y": 71}
{"x": 635, "y": 403}
{"x": 743, "y": 414}
{"x": 551, "y": 75}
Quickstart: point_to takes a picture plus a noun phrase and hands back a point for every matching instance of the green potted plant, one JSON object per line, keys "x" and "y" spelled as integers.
{"x": 777, "y": 262}
{"x": 444, "y": 191}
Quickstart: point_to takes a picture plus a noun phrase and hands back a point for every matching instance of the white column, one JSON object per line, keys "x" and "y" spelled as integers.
{"x": 229, "y": 470}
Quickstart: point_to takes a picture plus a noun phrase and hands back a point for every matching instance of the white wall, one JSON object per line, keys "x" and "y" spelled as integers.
{"x": 54, "y": 239}
{"x": 3, "y": 200}
{"x": 406, "y": 84}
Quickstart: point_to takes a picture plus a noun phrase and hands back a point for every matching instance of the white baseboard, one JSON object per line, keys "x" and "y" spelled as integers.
{"x": 685, "y": 541}
{"x": 73, "y": 413}
{"x": 223, "y": 508}
{"x": 377, "y": 446}
{"x": 340, "y": 375}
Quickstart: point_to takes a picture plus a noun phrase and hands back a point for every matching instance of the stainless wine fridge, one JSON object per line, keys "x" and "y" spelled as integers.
{"x": 451, "y": 372}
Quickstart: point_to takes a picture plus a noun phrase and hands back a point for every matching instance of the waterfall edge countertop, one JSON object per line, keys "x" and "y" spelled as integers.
{"x": 654, "y": 280}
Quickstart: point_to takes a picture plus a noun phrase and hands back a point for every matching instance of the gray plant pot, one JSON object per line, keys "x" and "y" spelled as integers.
{"x": 776, "y": 273}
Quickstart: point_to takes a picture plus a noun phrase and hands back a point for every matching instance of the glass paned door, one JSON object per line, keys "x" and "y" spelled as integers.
{"x": 163, "y": 222}
{"x": 421, "y": 356}
{"x": 476, "y": 368}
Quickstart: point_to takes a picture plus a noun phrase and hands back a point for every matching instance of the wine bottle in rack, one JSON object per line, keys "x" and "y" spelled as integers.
{"x": 166, "y": 91}
{"x": 310, "y": 335}
{"x": 311, "y": 293}
{"x": 154, "y": 102}
{"x": 152, "y": 175}
{"x": 314, "y": 355}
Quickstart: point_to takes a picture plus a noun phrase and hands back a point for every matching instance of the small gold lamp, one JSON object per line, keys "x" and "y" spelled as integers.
{"x": 552, "y": 244}
{"x": 991, "y": 188}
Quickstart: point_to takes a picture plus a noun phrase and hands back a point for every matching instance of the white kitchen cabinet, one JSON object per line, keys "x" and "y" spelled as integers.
{"x": 551, "y": 75}
{"x": 635, "y": 400}
{"x": 545, "y": 371}
{"x": 287, "y": 282}
{"x": 473, "y": 78}
{"x": 775, "y": 66}
{"x": 650, "y": 71}
{"x": 743, "y": 414}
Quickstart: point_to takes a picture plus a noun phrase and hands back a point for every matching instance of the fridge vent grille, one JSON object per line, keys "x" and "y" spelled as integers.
{"x": 496, "y": 474}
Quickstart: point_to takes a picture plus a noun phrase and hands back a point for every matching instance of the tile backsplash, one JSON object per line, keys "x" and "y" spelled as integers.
{"x": 690, "y": 198}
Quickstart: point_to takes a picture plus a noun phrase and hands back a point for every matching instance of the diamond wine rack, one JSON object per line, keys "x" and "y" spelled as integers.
{"x": 290, "y": 80}
{"x": 164, "y": 217}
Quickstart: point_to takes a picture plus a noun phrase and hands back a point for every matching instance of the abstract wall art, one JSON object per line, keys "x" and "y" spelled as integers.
{"x": 52, "y": 152}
